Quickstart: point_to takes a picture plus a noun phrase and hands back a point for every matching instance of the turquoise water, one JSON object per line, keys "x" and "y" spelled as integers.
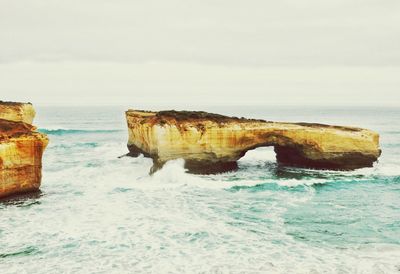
{"x": 97, "y": 213}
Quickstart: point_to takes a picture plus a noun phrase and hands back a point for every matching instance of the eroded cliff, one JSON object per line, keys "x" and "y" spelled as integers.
{"x": 17, "y": 112}
{"x": 21, "y": 149}
{"x": 213, "y": 143}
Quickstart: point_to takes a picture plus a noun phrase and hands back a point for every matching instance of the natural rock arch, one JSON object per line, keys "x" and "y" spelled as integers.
{"x": 212, "y": 143}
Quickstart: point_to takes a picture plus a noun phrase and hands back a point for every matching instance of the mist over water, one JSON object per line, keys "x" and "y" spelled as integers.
{"x": 97, "y": 213}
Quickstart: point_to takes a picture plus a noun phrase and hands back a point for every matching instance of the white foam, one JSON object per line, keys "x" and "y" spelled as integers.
{"x": 262, "y": 154}
{"x": 100, "y": 213}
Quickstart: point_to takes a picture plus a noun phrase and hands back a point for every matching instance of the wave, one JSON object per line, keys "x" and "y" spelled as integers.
{"x": 76, "y": 131}
{"x": 174, "y": 175}
{"x": 77, "y": 145}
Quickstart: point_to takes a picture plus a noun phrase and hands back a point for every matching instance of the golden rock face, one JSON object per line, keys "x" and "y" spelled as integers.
{"x": 21, "y": 149}
{"x": 213, "y": 143}
{"x": 17, "y": 112}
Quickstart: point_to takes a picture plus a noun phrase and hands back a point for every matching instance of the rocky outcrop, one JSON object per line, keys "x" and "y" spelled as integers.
{"x": 212, "y": 143}
{"x": 21, "y": 149}
{"x": 17, "y": 112}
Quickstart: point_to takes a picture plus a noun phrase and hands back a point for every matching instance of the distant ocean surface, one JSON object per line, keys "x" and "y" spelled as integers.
{"x": 98, "y": 213}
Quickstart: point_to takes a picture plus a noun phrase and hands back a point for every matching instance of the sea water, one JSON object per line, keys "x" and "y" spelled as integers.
{"x": 97, "y": 213}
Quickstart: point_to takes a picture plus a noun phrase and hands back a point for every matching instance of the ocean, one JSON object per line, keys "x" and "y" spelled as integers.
{"x": 97, "y": 213}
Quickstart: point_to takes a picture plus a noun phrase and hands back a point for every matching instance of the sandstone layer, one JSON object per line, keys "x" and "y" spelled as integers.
{"x": 212, "y": 143}
{"x": 21, "y": 149}
{"x": 17, "y": 112}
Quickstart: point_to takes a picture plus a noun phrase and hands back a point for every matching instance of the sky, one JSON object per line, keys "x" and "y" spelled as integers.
{"x": 200, "y": 52}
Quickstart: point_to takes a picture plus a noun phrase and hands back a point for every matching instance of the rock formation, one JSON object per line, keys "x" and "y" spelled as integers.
{"x": 17, "y": 112}
{"x": 21, "y": 149}
{"x": 212, "y": 143}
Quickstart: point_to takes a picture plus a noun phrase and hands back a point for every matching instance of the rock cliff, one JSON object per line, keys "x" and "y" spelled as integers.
{"x": 212, "y": 143}
{"x": 17, "y": 112}
{"x": 21, "y": 149}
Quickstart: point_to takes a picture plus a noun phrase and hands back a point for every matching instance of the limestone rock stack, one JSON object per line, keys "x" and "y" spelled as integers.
{"x": 212, "y": 143}
{"x": 21, "y": 149}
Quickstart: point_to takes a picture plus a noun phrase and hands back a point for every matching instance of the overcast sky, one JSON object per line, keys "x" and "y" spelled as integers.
{"x": 185, "y": 52}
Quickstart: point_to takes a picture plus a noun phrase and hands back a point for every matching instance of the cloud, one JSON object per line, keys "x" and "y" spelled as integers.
{"x": 236, "y": 33}
{"x": 188, "y": 52}
{"x": 181, "y": 85}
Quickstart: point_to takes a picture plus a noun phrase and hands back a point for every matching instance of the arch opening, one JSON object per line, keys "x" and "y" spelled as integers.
{"x": 258, "y": 156}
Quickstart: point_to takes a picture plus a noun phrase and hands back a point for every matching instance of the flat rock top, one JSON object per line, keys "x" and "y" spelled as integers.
{"x": 199, "y": 116}
{"x": 185, "y": 116}
{"x": 8, "y": 103}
